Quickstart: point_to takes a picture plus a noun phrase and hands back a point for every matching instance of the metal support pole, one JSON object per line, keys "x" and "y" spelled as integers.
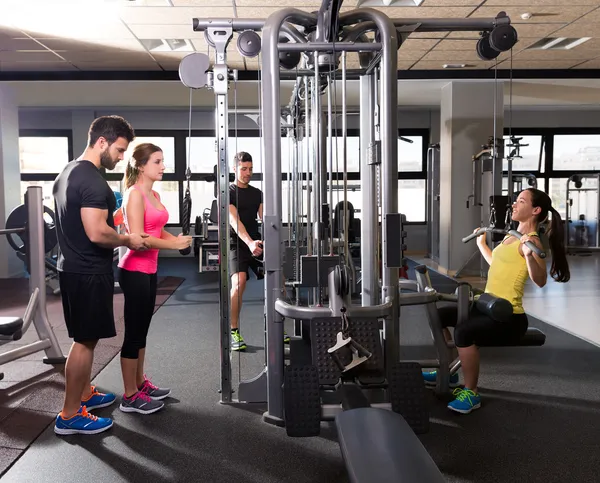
{"x": 368, "y": 187}
{"x": 270, "y": 92}
{"x": 37, "y": 279}
{"x": 220, "y": 38}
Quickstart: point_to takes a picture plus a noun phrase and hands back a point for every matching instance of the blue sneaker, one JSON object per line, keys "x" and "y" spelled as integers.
{"x": 431, "y": 378}
{"x": 82, "y": 423}
{"x": 465, "y": 402}
{"x": 98, "y": 400}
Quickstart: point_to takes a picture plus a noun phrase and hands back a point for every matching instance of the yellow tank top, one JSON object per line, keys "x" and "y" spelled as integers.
{"x": 508, "y": 274}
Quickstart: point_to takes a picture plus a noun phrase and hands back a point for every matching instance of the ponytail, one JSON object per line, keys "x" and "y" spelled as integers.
{"x": 131, "y": 175}
{"x": 559, "y": 270}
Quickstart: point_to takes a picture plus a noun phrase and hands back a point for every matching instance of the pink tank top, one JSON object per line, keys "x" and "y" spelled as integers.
{"x": 154, "y": 222}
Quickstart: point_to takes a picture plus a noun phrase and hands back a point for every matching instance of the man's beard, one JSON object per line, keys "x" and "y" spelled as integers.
{"x": 106, "y": 161}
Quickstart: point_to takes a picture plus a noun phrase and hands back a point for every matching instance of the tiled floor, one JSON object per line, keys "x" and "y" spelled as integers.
{"x": 572, "y": 307}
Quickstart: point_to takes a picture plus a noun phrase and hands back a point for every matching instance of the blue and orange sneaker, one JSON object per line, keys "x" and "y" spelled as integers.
{"x": 465, "y": 402}
{"x": 431, "y": 378}
{"x": 81, "y": 423}
{"x": 98, "y": 400}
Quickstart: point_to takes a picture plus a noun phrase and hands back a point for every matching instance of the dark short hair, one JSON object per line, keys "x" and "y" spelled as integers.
{"x": 241, "y": 157}
{"x": 110, "y": 128}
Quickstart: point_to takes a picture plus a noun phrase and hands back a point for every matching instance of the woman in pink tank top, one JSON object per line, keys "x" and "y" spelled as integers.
{"x": 143, "y": 212}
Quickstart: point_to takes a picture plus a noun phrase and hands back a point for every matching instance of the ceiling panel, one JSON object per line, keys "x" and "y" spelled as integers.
{"x": 30, "y": 56}
{"x": 172, "y": 15}
{"x": 578, "y": 30}
{"x": 419, "y": 44}
{"x": 428, "y": 35}
{"x": 7, "y": 43}
{"x": 80, "y": 31}
{"x": 118, "y": 66}
{"x": 592, "y": 17}
{"x": 571, "y": 54}
{"x": 434, "y": 65}
{"x": 590, "y": 64}
{"x": 107, "y": 57}
{"x": 539, "y": 64}
{"x": 564, "y": 3}
{"x": 426, "y": 12}
{"x": 36, "y": 66}
{"x": 105, "y": 45}
{"x": 523, "y": 31}
{"x": 451, "y": 3}
{"x": 201, "y": 3}
{"x": 165, "y": 32}
{"x": 264, "y": 12}
{"x": 541, "y": 14}
{"x": 283, "y": 3}
{"x": 413, "y": 55}
{"x": 442, "y": 56}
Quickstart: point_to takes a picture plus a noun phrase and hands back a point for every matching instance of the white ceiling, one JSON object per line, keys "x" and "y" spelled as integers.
{"x": 101, "y": 35}
{"x": 559, "y": 93}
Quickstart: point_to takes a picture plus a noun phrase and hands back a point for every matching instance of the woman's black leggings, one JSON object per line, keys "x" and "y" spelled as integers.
{"x": 140, "y": 297}
{"x": 480, "y": 329}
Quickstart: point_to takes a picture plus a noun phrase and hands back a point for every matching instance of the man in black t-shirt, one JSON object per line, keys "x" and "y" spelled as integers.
{"x": 84, "y": 206}
{"x": 245, "y": 204}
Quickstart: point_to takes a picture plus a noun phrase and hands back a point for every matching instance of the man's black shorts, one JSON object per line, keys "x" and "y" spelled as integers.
{"x": 88, "y": 305}
{"x": 240, "y": 260}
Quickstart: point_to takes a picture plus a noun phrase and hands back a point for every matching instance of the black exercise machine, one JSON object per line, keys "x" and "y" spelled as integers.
{"x": 337, "y": 372}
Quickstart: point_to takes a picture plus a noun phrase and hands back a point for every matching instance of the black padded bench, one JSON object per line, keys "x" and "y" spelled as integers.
{"x": 378, "y": 446}
{"x": 11, "y": 327}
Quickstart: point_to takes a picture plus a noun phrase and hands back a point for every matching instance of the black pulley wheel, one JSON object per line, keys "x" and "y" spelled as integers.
{"x": 503, "y": 38}
{"x": 249, "y": 43}
{"x": 485, "y": 51}
{"x": 288, "y": 60}
{"x": 19, "y": 241}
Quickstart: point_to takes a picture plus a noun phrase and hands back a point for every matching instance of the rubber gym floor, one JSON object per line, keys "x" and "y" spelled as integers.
{"x": 539, "y": 421}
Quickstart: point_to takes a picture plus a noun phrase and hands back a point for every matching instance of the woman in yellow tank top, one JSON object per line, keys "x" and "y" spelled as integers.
{"x": 512, "y": 263}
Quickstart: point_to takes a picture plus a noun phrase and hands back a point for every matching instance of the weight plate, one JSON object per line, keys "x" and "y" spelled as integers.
{"x": 18, "y": 219}
{"x": 192, "y": 70}
{"x": 503, "y": 38}
{"x": 249, "y": 43}
{"x": 485, "y": 51}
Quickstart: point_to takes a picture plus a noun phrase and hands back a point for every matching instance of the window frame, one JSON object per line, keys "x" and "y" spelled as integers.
{"x": 46, "y": 133}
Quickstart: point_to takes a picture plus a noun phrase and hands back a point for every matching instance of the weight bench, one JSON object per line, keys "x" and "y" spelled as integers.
{"x": 378, "y": 446}
{"x": 11, "y": 327}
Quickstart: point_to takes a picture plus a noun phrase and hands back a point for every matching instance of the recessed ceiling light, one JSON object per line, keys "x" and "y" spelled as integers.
{"x": 167, "y": 45}
{"x": 454, "y": 66}
{"x": 389, "y": 3}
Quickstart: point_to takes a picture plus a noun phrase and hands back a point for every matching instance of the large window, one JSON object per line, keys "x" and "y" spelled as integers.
{"x": 410, "y": 153}
{"x": 42, "y": 155}
{"x": 576, "y": 152}
{"x": 38, "y": 154}
{"x": 530, "y": 152}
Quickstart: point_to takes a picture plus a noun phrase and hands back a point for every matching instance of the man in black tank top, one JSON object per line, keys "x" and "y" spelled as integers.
{"x": 245, "y": 206}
